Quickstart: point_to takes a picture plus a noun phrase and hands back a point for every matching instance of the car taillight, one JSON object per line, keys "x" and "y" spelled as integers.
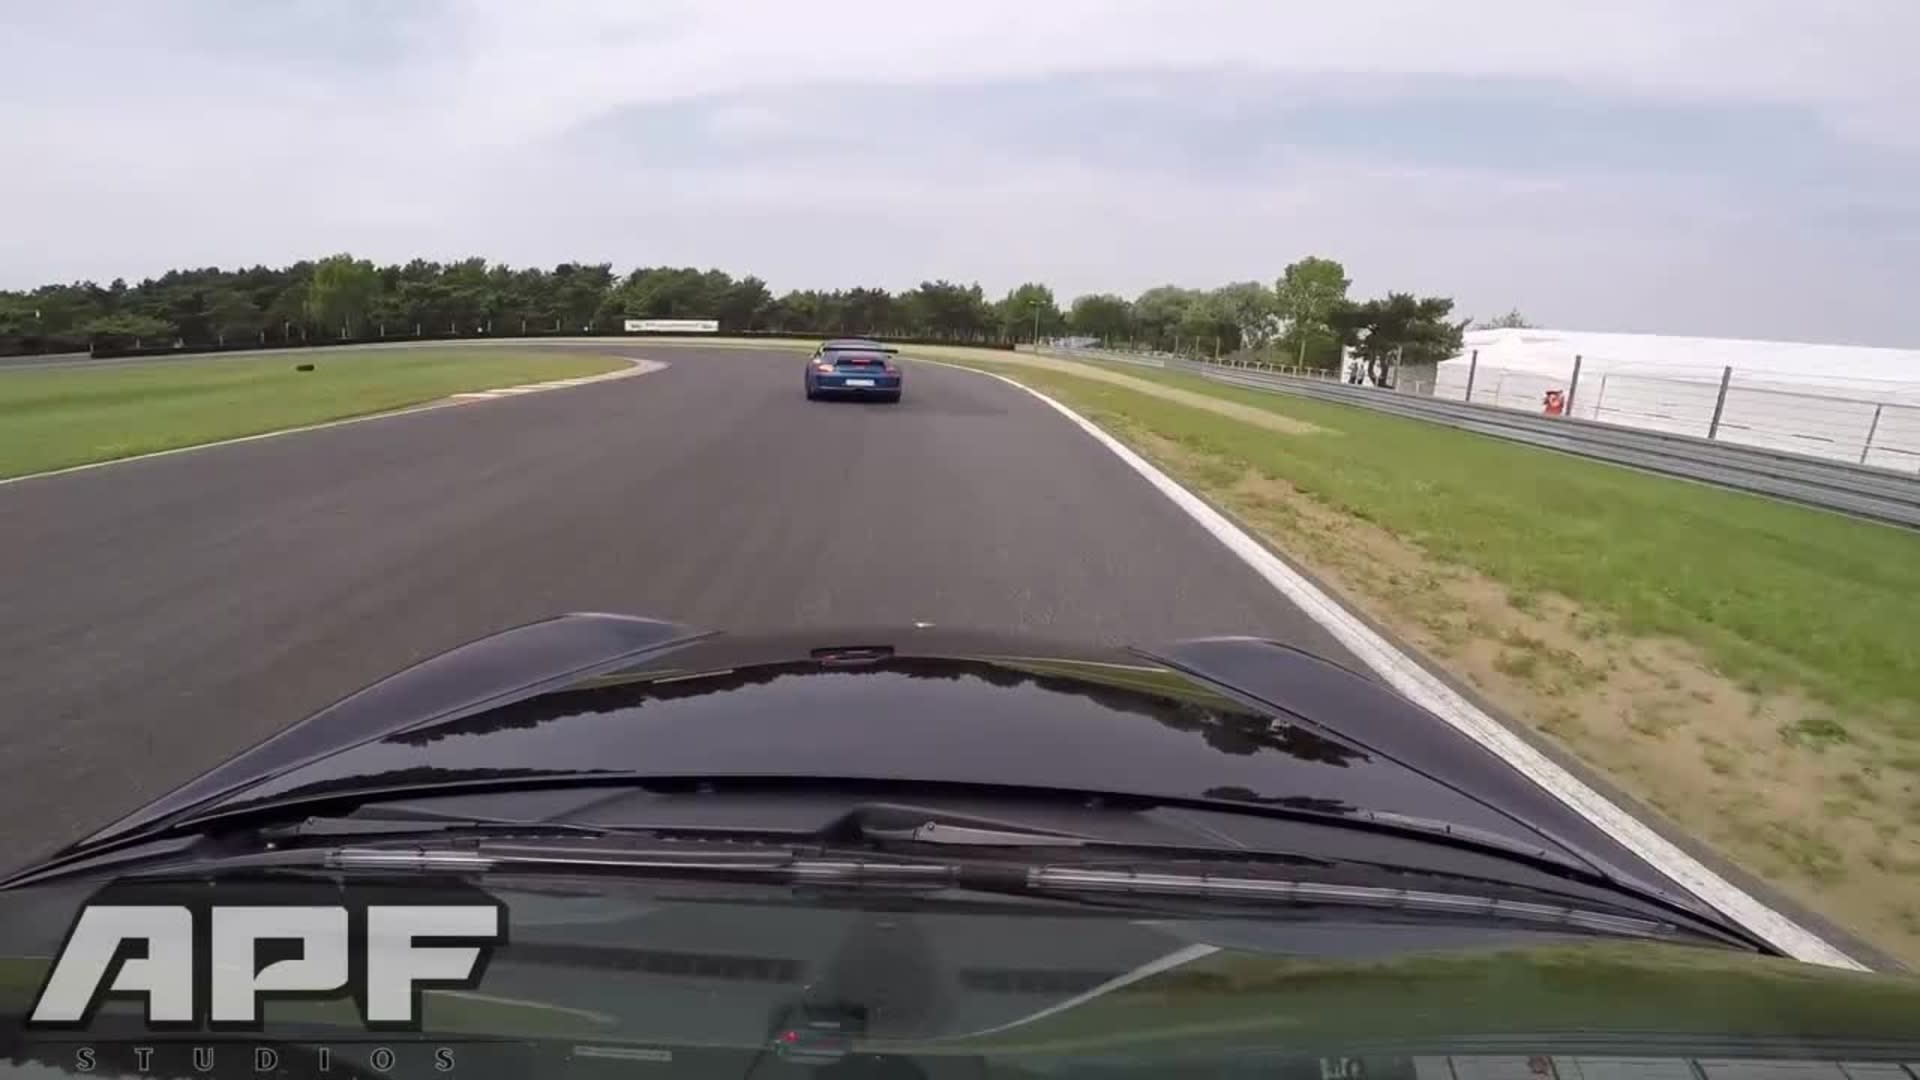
{"x": 823, "y": 366}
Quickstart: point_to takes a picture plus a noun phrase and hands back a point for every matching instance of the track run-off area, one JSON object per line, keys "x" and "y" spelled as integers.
{"x": 165, "y": 612}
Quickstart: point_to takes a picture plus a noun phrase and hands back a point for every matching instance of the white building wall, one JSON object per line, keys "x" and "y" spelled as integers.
{"x": 1836, "y": 402}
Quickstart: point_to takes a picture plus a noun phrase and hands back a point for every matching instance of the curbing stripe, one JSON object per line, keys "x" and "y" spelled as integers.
{"x": 1408, "y": 677}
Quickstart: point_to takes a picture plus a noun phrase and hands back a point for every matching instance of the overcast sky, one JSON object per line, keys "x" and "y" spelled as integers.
{"x": 1723, "y": 167}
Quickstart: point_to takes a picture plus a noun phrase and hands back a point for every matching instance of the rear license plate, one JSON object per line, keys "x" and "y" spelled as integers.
{"x": 859, "y": 382}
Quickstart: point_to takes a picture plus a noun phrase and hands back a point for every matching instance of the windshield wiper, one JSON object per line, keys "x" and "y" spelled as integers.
{"x": 772, "y": 864}
{"x": 883, "y": 822}
{"x": 903, "y": 827}
{"x": 942, "y": 834}
{"x": 876, "y": 826}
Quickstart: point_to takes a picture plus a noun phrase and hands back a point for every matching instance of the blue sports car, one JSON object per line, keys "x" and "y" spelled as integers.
{"x": 856, "y": 368}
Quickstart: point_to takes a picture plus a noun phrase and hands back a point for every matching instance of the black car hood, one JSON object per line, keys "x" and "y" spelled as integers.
{"x": 1236, "y": 721}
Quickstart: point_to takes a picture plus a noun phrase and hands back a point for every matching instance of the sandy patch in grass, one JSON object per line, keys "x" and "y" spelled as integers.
{"x": 1825, "y": 807}
{"x": 1246, "y": 414}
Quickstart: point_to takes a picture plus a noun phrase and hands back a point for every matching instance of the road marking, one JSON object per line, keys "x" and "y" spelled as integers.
{"x": 504, "y": 391}
{"x": 521, "y": 1003}
{"x": 1424, "y": 688}
{"x": 1168, "y": 962}
{"x": 637, "y": 367}
{"x": 625, "y": 1053}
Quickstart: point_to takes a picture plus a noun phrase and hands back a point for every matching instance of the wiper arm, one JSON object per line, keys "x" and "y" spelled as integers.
{"x": 943, "y": 834}
{"x": 777, "y": 865}
{"x": 893, "y": 828}
{"x": 336, "y": 828}
{"x": 811, "y": 863}
{"x": 928, "y": 831}
{"x": 904, "y": 828}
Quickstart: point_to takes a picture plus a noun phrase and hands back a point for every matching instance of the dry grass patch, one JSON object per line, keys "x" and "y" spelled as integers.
{"x": 1826, "y": 810}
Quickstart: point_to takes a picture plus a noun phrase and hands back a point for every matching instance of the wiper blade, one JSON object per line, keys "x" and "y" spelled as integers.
{"x": 776, "y": 865}
{"x": 1078, "y": 880}
{"x": 907, "y": 828}
{"x": 815, "y": 866}
{"x": 853, "y": 826}
{"x": 897, "y": 834}
{"x": 334, "y": 828}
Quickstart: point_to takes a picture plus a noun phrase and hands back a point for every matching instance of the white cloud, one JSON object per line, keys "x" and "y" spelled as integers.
{"x": 1848, "y": 57}
{"x": 237, "y": 132}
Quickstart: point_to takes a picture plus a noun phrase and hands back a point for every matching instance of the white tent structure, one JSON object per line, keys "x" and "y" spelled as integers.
{"x": 1833, "y": 401}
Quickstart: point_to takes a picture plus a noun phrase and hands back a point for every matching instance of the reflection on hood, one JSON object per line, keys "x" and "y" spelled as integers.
{"x": 1234, "y": 732}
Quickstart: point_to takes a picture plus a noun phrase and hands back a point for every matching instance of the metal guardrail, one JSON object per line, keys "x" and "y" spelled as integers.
{"x": 1875, "y": 494}
{"x": 1881, "y": 495}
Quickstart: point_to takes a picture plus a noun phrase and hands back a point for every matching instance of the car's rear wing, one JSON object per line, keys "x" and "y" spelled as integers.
{"x": 850, "y": 346}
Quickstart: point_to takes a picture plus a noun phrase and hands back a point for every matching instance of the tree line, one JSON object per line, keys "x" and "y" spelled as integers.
{"x": 1304, "y": 317}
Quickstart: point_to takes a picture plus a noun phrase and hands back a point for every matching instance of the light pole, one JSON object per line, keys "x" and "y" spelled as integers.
{"x": 1035, "y": 305}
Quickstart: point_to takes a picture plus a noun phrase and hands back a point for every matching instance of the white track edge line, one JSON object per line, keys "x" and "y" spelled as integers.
{"x": 1407, "y": 676}
{"x": 466, "y": 397}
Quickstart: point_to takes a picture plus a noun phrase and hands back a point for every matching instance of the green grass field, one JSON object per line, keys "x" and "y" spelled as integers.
{"x": 1621, "y": 991}
{"x": 1775, "y": 593}
{"x": 1743, "y": 667}
{"x": 50, "y": 419}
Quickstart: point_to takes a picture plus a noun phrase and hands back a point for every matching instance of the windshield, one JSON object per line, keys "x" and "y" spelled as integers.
{"x": 704, "y": 979}
{"x": 1351, "y": 486}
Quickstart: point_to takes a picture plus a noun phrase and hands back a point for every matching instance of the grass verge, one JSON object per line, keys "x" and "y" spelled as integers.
{"x": 55, "y": 418}
{"x": 1745, "y": 667}
{"x": 1230, "y": 1001}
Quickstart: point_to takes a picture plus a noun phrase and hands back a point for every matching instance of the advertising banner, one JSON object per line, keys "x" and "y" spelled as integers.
{"x": 673, "y": 326}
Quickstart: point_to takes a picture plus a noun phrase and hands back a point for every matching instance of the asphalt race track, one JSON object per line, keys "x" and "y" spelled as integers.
{"x": 162, "y": 614}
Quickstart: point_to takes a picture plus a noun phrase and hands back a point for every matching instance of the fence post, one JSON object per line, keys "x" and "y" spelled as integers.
{"x": 1573, "y": 385}
{"x": 1872, "y": 429}
{"x": 1473, "y": 365}
{"x": 1720, "y": 403}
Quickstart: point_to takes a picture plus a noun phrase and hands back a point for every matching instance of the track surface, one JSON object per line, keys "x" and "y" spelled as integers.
{"x": 163, "y": 614}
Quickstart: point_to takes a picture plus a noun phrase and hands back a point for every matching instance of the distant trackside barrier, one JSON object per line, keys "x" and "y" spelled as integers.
{"x": 1878, "y": 494}
{"x": 673, "y": 326}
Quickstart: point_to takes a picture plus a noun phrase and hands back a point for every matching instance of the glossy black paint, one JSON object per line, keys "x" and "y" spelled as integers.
{"x": 1234, "y": 721}
{"x": 481, "y": 674}
{"x": 1367, "y": 714}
